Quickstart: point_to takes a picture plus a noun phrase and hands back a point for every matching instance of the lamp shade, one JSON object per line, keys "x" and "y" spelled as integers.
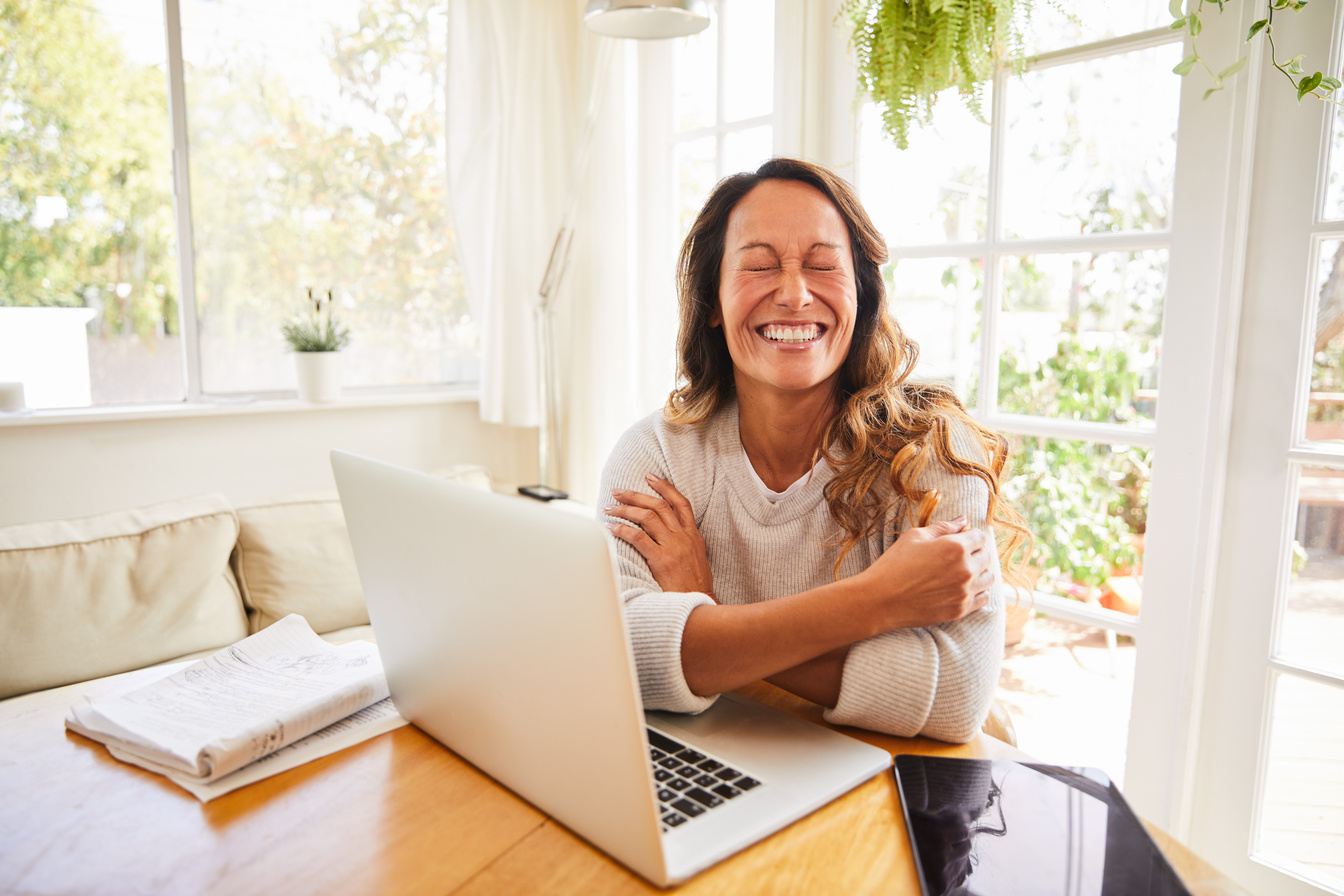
{"x": 646, "y": 19}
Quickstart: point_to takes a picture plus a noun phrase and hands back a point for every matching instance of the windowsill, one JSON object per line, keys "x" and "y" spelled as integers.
{"x": 239, "y": 407}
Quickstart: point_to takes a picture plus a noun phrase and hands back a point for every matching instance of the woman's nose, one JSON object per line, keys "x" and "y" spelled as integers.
{"x": 793, "y": 292}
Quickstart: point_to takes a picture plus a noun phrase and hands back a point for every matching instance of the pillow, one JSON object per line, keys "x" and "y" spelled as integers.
{"x": 294, "y": 556}
{"x": 89, "y": 597}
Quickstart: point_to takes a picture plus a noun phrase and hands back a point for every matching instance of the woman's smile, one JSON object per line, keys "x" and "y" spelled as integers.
{"x": 787, "y": 294}
{"x": 791, "y": 333}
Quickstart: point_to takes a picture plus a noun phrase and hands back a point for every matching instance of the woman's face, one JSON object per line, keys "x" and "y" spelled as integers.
{"x": 787, "y": 296}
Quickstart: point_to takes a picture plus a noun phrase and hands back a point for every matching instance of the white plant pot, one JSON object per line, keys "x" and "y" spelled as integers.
{"x": 319, "y": 375}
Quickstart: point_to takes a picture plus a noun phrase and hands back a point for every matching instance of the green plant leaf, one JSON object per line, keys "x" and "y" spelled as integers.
{"x": 1185, "y": 65}
{"x": 1233, "y": 68}
{"x": 1211, "y": 91}
{"x": 1332, "y": 83}
{"x": 1178, "y": 24}
{"x": 1295, "y": 64}
{"x": 1175, "y": 8}
{"x": 1307, "y": 85}
{"x": 1196, "y": 25}
{"x": 1256, "y": 28}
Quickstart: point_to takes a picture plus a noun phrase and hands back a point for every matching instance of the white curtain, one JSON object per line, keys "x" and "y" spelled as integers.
{"x": 512, "y": 110}
{"x": 520, "y": 73}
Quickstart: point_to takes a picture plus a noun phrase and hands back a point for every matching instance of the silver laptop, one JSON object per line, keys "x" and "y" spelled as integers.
{"x": 501, "y": 631}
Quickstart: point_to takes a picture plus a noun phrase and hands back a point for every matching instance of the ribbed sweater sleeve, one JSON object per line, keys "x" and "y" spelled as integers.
{"x": 938, "y": 681}
{"x": 655, "y": 619}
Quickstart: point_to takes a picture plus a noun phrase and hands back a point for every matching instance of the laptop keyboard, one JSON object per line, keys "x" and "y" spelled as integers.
{"x": 691, "y": 783}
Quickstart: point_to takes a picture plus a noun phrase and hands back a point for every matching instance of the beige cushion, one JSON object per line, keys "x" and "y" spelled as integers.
{"x": 90, "y": 597}
{"x": 294, "y": 556}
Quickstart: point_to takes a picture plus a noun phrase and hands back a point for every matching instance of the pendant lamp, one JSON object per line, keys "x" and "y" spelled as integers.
{"x": 646, "y": 19}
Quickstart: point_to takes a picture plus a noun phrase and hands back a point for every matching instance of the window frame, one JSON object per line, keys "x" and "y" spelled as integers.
{"x": 1210, "y": 208}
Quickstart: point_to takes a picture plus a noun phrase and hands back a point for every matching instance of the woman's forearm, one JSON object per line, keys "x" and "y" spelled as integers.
{"x": 817, "y": 680}
{"x": 727, "y": 646}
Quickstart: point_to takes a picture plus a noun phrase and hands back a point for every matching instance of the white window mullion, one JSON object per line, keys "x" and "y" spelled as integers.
{"x": 186, "y": 263}
{"x": 987, "y": 402}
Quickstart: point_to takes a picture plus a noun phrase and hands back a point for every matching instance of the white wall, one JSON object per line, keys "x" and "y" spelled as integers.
{"x": 51, "y": 470}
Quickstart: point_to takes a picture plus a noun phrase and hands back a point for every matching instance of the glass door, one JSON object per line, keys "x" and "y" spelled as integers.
{"x": 1269, "y": 793}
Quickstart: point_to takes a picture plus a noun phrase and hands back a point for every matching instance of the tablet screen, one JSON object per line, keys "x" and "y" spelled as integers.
{"x": 990, "y": 826}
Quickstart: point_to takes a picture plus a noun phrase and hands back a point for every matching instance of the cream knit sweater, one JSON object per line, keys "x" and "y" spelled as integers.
{"x": 937, "y": 681}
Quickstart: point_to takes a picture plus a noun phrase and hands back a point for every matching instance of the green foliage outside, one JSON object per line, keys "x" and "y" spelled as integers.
{"x": 1084, "y": 501}
{"x": 288, "y": 194}
{"x": 79, "y": 122}
{"x": 347, "y": 192}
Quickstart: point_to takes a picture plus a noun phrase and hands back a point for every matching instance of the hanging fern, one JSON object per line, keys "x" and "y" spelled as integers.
{"x": 910, "y": 50}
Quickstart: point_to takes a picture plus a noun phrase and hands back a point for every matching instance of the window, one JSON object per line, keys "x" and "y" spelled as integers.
{"x": 1029, "y": 262}
{"x": 711, "y": 105}
{"x": 723, "y": 107}
{"x": 313, "y": 135}
{"x": 89, "y": 289}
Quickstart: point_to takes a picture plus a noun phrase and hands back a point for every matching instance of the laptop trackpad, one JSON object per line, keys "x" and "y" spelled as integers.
{"x": 768, "y": 743}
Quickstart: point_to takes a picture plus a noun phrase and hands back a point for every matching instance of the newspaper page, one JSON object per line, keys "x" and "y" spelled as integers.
{"x": 357, "y": 728}
{"x": 230, "y": 709}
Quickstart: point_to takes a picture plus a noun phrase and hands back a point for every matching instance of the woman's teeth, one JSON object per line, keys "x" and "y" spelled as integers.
{"x": 804, "y": 333}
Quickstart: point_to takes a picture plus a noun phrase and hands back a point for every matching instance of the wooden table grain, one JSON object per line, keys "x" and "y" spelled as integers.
{"x": 397, "y": 814}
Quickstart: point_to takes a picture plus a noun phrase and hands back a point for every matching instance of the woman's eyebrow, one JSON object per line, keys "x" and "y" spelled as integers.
{"x": 747, "y": 247}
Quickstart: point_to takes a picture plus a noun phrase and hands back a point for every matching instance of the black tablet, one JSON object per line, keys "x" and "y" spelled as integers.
{"x": 993, "y": 827}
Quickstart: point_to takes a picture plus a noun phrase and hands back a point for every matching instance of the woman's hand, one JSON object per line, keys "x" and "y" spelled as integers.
{"x": 937, "y": 573}
{"x": 666, "y": 537}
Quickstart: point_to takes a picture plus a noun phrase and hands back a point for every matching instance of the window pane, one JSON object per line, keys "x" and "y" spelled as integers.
{"x": 87, "y": 240}
{"x": 693, "y": 164}
{"x": 1091, "y": 147}
{"x": 746, "y": 150}
{"x": 1311, "y": 627}
{"x": 1325, "y": 407}
{"x": 936, "y": 301}
{"x": 694, "y": 80}
{"x": 1080, "y": 334}
{"x": 1087, "y": 505}
{"x": 1302, "y": 816}
{"x": 1058, "y": 25}
{"x": 749, "y": 58}
{"x": 934, "y": 191}
{"x": 317, "y": 160}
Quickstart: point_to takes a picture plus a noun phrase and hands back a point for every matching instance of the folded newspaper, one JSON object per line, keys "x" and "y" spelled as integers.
{"x": 270, "y": 702}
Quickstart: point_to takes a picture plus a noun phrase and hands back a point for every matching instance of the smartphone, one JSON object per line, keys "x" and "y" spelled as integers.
{"x": 542, "y": 492}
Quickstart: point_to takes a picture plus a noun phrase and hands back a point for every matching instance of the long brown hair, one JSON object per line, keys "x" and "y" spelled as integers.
{"x": 886, "y": 429}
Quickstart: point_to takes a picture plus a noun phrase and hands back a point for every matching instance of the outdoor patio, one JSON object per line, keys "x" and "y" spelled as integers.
{"x": 1070, "y": 703}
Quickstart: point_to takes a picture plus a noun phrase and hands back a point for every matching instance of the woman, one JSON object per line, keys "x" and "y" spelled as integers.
{"x": 799, "y": 512}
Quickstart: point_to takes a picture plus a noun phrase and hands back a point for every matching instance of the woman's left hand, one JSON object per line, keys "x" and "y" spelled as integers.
{"x": 666, "y": 537}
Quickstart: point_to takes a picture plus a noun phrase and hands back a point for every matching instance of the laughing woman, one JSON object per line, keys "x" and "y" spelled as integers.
{"x": 800, "y": 511}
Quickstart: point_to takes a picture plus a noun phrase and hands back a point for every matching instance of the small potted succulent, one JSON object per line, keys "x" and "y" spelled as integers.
{"x": 317, "y": 339}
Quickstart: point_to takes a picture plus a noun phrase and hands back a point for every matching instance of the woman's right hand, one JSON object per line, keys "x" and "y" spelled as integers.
{"x": 936, "y": 573}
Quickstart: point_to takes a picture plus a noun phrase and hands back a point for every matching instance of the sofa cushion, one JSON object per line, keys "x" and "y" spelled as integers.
{"x": 90, "y": 597}
{"x": 294, "y": 556}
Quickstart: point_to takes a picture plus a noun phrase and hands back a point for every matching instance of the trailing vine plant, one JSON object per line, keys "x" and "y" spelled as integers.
{"x": 908, "y": 51}
{"x": 1187, "y": 15}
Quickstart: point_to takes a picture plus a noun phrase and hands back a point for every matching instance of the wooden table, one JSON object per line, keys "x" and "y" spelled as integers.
{"x": 396, "y": 814}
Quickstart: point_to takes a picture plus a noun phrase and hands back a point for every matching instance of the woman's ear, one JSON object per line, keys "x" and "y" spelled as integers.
{"x": 715, "y": 318}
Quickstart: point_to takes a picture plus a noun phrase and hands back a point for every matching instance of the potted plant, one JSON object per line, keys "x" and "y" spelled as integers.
{"x": 317, "y": 339}
{"x": 909, "y": 51}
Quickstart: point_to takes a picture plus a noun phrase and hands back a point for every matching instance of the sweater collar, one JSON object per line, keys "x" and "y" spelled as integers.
{"x": 733, "y": 460}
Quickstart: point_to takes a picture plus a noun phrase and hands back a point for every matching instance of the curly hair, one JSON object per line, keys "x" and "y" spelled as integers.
{"x": 886, "y": 429}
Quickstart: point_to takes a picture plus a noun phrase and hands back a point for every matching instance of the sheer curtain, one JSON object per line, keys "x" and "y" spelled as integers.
{"x": 520, "y": 72}
{"x": 512, "y": 102}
